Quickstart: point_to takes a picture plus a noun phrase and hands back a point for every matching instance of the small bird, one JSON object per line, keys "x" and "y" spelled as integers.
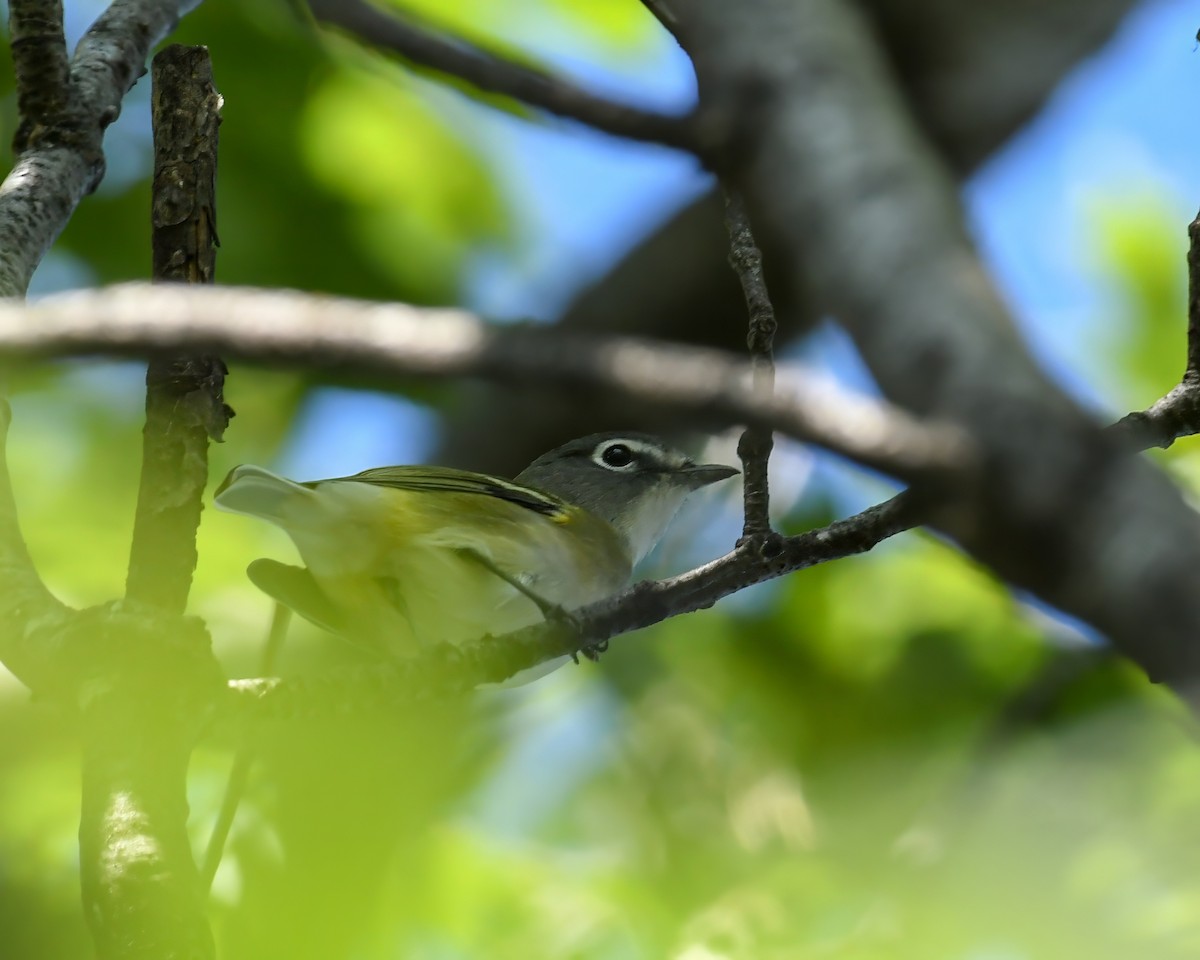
{"x": 399, "y": 558}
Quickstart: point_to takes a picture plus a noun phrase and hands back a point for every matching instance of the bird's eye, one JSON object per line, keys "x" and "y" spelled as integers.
{"x": 617, "y": 455}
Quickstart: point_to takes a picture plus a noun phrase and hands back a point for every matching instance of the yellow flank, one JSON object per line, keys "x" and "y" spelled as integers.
{"x": 391, "y": 556}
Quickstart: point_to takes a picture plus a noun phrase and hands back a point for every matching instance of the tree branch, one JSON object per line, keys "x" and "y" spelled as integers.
{"x": 65, "y": 160}
{"x": 153, "y": 692}
{"x": 184, "y": 400}
{"x": 39, "y": 53}
{"x": 142, "y": 715}
{"x": 421, "y": 45}
{"x": 396, "y": 339}
{"x": 447, "y": 671}
{"x": 1178, "y": 413}
{"x": 25, "y": 603}
{"x": 755, "y": 444}
{"x": 842, "y": 188}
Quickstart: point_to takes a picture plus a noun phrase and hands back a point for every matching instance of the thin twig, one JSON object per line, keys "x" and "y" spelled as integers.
{"x": 402, "y": 35}
{"x": 447, "y": 671}
{"x": 239, "y": 773}
{"x": 756, "y": 442}
{"x": 184, "y": 399}
{"x": 1193, "y": 304}
{"x": 1177, "y": 414}
{"x": 396, "y": 339}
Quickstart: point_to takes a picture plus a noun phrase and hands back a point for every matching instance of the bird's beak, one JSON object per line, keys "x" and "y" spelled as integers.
{"x": 698, "y": 475}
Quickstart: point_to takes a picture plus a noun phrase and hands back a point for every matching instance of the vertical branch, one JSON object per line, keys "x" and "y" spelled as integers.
{"x": 756, "y": 443}
{"x": 40, "y": 65}
{"x": 184, "y": 399}
{"x": 141, "y": 889}
{"x": 1192, "y": 374}
{"x": 1177, "y": 413}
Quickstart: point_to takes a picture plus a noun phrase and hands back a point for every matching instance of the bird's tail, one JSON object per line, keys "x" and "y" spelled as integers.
{"x": 257, "y": 492}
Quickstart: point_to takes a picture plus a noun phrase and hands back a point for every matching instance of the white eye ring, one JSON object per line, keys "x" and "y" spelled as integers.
{"x": 616, "y": 456}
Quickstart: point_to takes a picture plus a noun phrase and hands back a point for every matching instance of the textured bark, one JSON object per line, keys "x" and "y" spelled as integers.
{"x": 184, "y": 398}
{"x": 141, "y": 889}
{"x": 40, "y": 67}
{"x": 61, "y": 158}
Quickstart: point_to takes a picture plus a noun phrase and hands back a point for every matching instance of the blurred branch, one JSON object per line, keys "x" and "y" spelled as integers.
{"x": 842, "y": 187}
{"x": 141, "y": 890}
{"x": 142, "y": 714}
{"x": 60, "y": 157}
{"x": 24, "y": 602}
{"x": 239, "y": 773}
{"x": 1178, "y": 413}
{"x": 754, "y": 446}
{"x": 446, "y": 671}
{"x": 401, "y": 35}
{"x": 40, "y": 67}
{"x": 397, "y": 339}
{"x": 184, "y": 400}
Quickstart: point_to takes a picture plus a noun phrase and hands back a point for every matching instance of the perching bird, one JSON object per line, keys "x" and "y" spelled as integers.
{"x": 402, "y": 557}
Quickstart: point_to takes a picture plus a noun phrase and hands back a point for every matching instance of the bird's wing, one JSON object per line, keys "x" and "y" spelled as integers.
{"x": 295, "y": 587}
{"x": 446, "y": 480}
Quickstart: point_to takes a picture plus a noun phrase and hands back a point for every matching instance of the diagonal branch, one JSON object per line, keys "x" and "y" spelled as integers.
{"x": 65, "y": 160}
{"x": 446, "y": 671}
{"x": 397, "y": 339}
{"x": 25, "y": 603}
{"x": 492, "y": 74}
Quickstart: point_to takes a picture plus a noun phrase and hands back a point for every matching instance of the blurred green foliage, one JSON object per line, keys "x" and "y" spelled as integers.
{"x": 818, "y": 772}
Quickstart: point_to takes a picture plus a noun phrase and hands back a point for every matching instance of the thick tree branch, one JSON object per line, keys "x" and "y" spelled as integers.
{"x": 754, "y": 446}
{"x": 400, "y": 34}
{"x": 396, "y": 339}
{"x": 841, "y": 186}
{"x": 184, "y": 401}
{"x": 1178, "y": 413}
{"x": 65, "y": 161}
{"x": 446, "y": 671}
{"x": 141, "y": 890}
{"x": 153, "y": 691}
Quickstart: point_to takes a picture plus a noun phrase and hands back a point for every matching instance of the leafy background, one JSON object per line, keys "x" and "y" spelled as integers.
{"x": 810, "y": 770}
